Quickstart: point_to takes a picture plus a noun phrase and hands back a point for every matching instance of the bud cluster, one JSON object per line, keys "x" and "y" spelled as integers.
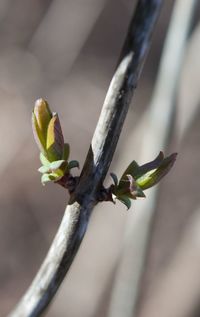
{"x": 49, "y": 138}
{"x": 138, "y": 178}
{"x": 55, "y": 167}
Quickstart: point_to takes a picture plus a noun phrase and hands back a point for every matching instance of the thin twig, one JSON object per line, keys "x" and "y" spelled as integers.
{"x": 76, "y": 217}
{"x": 158, "y": 124}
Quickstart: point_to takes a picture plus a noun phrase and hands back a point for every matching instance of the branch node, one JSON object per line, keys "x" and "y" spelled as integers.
{"x": 69, "y": 182}
{"x": 106, "y": 194}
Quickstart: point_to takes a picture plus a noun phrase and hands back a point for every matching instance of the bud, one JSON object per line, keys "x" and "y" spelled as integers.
{"x": 128, "y": 187}
{"x": 41, "y": 117}
{"x": 48, "y": 135}
{"x": 137, "y": 178}
{"x": 151, "y": 173}
{"x": 55, "y": 140}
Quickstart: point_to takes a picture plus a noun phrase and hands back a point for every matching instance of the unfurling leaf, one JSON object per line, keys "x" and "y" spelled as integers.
{"x": 137, "y": 178}
{"x": 151, "y": 173}
{"x": 128, "y": 187}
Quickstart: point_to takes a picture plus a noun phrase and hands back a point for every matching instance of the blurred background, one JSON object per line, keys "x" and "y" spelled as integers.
{"x": 66, "y": 51}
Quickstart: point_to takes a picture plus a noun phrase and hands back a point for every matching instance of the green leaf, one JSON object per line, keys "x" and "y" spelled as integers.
{"x": 152, "y": 165}
{"x": 140, "y": 193}
{"x": 155, "y": 171}
{"x": 129, "y": 188}
{"x": 55, "y": 141}
{"x": 51, "y": 177}
{"x": 44, "y": 160}
{"x": 132, "y": 169}
{"x": 66, "y": 151}
{"x": 57, "y": 174}
{"x": 125, "y": 200}
{"x": 47, "y": 178}
{"x": 73, "y": 164}
{"x": 38, "y": 136}
{"x": 44, "y": 169}
{"x": 137, "y": 171}
{"x": 114, "y": 178}
{"x": 137, "y": 178}
{"x": 60, "y": 164}
{"x": 43, "y": 115}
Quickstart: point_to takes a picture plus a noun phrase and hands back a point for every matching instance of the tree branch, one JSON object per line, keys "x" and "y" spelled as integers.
{"x": 103, "y": 145}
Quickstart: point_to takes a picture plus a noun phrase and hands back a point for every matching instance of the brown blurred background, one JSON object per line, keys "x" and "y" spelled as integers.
{"x": 66, "y": 51}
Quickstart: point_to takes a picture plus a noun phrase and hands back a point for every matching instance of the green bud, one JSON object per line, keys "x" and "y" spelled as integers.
{"x": 55, "y": 140}
{"x": 43, "y": 114}
{"x": 52, "y": 176}
{"x": 128, "y": 187}
{"x": 151, "y": 173}
{"x": 48, "y": 135}
{"x": 41, "y": 117}
{"x": 53, "y": 171}
{"x": 137, "y": 178}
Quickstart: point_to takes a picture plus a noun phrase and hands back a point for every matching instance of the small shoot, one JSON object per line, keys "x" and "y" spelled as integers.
{"x": 54, "y": 153}
{"x": 138, "y": 178}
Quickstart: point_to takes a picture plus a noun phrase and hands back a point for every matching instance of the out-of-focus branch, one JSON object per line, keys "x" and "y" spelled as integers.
{"x": 188, "y": 99}
{"x": 75, "y": 220}
{"x": 158, "y": 126}
{"x": 176, "y": 292}
{"x": 64, "y": 49}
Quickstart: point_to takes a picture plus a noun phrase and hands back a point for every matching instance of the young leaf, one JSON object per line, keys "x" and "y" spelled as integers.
{"x": 38, "y": 136}
{"x": 155, "y": 171}
{"x": 66, "y": 151}
{"x": 114, "y": 178}
{"x": 73, "y": 164}
{"x": 44, "y": 169}
{"x": 41, "y": 117}
{"x": 60, "y": 164}
{"x": 129, "y": 188}
{"x": 126, "y": 201}
{"x": 44, "y": 160}
{"x": 145, "y": 168}
{"x": 132, "y": 169}
{"x": 137, "y": 178}
{"x": 55, "y": 140}
{"x": 47, "y": 178}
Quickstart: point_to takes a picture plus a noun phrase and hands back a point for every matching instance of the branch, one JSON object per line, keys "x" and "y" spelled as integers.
{"x": 77, "y": 213}
{"x": 126, "y": 289}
